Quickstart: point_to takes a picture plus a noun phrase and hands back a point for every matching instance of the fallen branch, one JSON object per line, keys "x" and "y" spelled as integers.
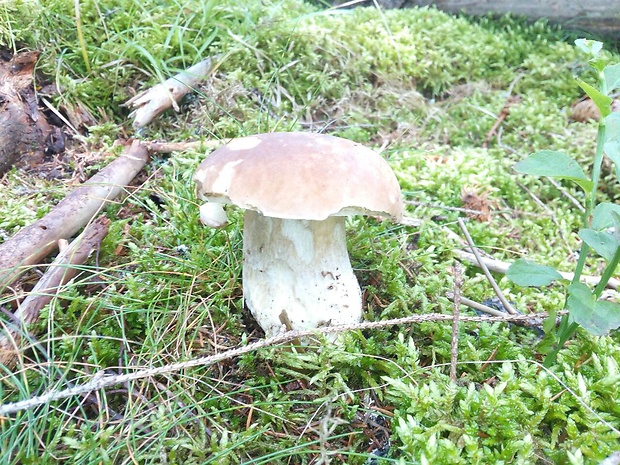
{"x": 38, "y": 240}
{"x": 152, "y": 102}
{"x": 457, "y": 285}
{"x": 507, "y": 305}
{"x": 61, "y": 271}
{"x": 503, "y": 114}
{"x": 498, "y": 266}
{"x": 102, "y": 381}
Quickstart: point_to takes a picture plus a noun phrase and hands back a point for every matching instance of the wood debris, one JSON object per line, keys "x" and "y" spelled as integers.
{"x": 34, "y": 242}
{"x": 585, "y": 109}
{"x": 64, "y": 268}
{"x": 25, "y": 134}
{"x": 152, "y": 102}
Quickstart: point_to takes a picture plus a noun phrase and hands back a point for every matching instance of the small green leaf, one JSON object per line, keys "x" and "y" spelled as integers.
{"x": 555, "y": 165}
{"x": 602, "y": 215}
{"x": 612, "y": 77}
{"x": 598, "y": 317}
{"x": 590, "y": 47}
{"x": 602, "y": 101}
{"x": 601, "y": 242}
{"x": 526, "y": 273}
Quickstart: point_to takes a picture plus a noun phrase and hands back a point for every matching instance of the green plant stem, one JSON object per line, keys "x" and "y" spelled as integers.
{"x": 607, "y": 273}
{"x": 591, "y": 203}
{"x": 564, "y": 333}
{"x": 596, "y": 168}
{"x": 566, "y": 329}
{"x": 78, "y": 26}
{"x": 583, "y": 254}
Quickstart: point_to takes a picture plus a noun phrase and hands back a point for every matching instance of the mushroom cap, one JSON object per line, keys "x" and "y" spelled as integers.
{"x": 298, "y": 175}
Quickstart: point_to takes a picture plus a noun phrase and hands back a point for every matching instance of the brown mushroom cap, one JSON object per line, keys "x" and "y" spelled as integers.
{"x": 296, "y": 175}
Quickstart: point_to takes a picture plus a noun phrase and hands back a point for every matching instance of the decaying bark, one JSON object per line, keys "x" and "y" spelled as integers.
{"x": 24, "y": 131}
{"x": 600, "y": 16}
{"x": 34, "y": 242}
{"x": 60, "y": 272}
{"x": 150, "y": 103}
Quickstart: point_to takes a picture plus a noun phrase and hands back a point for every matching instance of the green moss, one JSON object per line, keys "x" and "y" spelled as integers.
{"x": 425, "y": 86}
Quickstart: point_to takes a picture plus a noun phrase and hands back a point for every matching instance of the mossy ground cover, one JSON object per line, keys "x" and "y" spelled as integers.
{"x": 422, "y": 86}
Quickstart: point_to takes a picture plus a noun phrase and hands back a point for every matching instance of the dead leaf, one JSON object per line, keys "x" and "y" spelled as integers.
{"x": 477, "y": 203}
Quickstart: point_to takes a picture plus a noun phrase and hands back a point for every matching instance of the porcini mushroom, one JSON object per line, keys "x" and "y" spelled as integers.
{"x": 297, "y": 188}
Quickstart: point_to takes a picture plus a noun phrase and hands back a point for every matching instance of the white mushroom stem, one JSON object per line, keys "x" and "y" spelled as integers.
{"x": 297, "y": 274}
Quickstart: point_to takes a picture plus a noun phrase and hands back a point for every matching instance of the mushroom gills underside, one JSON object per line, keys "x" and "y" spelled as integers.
{"x": 297, "y": 274}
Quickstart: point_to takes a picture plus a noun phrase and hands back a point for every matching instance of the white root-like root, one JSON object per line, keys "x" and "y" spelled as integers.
{"x": 152, "y": 102}
{"x": 297, "y": 274}
{"x": 213, "y": 215}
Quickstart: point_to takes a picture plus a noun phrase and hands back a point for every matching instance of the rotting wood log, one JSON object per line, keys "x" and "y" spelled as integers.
{"x": 154, "y": 101}
{"x": 34, "y": 242}
{"x": 64, "y": 268}
{"x": 598, "y": 16}
{"x": 24, "y": 131}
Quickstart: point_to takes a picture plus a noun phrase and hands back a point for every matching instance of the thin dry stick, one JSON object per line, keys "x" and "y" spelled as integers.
{"x": 415, "y": 203}
{"x": 34, "y": 242}
{"x": 542, "y": 205}
{"x": 533, "y": 322}
{"x": 101, "y": 381}
{"x": 503, "y": 114}
{"x": 409, "y": 221}
{"x": 486, "y": 271}
{"x": 64, "y": 268}
{"x": 454, "y": 347}
{"x": 475, "y": 305}
{"x": 499, "y": 266}
{"x": 567, "y": 194}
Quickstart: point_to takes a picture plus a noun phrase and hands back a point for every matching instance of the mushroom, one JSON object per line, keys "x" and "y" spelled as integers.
{"x": 297, "y": 188}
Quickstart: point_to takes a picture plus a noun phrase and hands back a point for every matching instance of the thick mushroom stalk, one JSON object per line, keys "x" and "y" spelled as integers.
{"x": 297, "y": 274}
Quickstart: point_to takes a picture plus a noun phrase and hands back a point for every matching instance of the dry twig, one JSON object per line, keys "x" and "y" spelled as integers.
{"x": 454, "y": 347}
{"x": 503, "y": 114}
{"x": 60, "y": 272}
{"x": 39, "y": 239}
{"x": 486, "y": 271}
{"x": 102, "y": 381}
{"x": 499, "y": 266}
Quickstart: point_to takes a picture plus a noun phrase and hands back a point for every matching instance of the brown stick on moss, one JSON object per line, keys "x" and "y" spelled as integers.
{"x": 34, "y": 242}
{"x": 61, "y": 271}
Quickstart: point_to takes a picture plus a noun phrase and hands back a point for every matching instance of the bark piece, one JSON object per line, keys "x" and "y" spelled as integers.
{"x": 60, "y": 272}
{"x": 38, "y": 240}
{"x": 24, "y": 132}
{"x": 599, "y": 16}
{"x": 152, "y": 102}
